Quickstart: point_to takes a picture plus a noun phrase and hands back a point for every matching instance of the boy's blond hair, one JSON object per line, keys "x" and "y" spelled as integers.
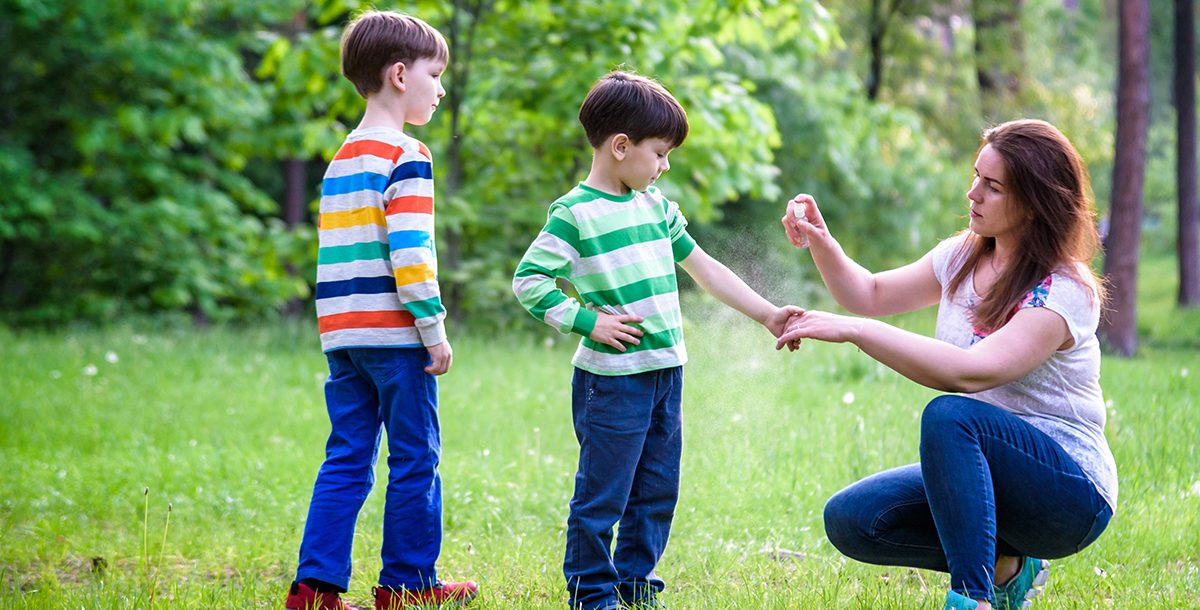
{"x": 377, "y": 39}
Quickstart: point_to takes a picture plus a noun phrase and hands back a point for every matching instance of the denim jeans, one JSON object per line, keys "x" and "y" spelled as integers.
{"x": 988, "y": 484}
{"x": 630, "y": 432}
{"x": 369, "y": 390}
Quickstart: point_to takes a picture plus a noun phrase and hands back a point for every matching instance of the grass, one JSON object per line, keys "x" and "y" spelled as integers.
{"x": 103, "y": 431}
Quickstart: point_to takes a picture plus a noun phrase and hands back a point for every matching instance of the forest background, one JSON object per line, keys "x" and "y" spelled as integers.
{"x": 166, "y": 155}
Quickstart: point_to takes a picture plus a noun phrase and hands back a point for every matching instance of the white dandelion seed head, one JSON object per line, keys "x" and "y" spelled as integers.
{"x": 848, "y": 398}
{"x": 90, "y": 370}
{"x": 111, "y": 357}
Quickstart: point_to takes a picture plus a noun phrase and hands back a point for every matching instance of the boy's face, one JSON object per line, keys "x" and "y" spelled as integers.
{"x": 423, "y": 89}
{"x": 644, "y": 162}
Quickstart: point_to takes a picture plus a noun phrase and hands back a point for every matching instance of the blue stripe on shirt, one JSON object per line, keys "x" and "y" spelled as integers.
{"x": 359, "y": 285}
{"x": 399, "y": 240}
{"x": 363, "y": 181}
{"x": 412, "y": 169}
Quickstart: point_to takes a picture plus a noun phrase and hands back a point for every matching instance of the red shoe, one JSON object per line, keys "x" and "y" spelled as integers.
{"x": 441, "y": 594}
{"x": 302, "y": 597}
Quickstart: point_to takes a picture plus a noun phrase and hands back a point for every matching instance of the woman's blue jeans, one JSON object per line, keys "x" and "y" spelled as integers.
{"x": 988, "y": 484}
{"x": 630, "y": 432}
{"x": 369, "y": 390}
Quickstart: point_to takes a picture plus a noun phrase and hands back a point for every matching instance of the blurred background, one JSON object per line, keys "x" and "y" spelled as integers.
{"x": 164, "y": 156}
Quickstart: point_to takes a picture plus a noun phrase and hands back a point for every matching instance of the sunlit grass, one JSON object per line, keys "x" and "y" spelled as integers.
{"x": 227, "y": 427}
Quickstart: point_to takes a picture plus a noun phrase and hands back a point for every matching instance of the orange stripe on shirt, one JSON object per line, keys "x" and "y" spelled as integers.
{"x": 365, "y": 319}
{"x": 410, "y": 204}
{"x": 352, "y": 218}
{"x": 414, "y": 274}
{"x": 375, "y": 148}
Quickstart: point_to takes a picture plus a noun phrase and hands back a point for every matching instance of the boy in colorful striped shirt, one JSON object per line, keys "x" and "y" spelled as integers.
{"x": 617, "y": 239}
{"x": 380, "y": 317}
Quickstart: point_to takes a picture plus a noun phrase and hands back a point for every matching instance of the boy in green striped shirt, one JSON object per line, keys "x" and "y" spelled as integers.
{"x": 617, "y": 239}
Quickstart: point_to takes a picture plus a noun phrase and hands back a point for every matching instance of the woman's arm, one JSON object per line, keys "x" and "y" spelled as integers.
{"x": 913, "y": 286}
{"x": 1010, "y": 353}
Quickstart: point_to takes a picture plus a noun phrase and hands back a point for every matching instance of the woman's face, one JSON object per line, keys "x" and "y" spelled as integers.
{"x": 994, "y": 213}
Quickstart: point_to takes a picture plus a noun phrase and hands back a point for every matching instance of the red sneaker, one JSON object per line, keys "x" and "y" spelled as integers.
{"x": 441, "y": 594}
{"x": 302, "y": 597}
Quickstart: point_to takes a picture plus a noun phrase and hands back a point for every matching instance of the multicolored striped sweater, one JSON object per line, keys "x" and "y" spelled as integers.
{"x": 377, "y": 264}
{"x": 620, "y": 253}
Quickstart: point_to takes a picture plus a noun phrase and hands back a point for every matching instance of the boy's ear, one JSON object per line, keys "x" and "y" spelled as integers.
{"x": 619, "y": 145}
{"x": 394, "y": 76}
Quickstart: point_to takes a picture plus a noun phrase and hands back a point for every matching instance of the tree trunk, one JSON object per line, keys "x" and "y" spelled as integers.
{"x": 1119, "y": 328}
{"x": 876, "y": 30}
{"x": 999, "y": 56}
{"x": 1188, "y": 242}
{"x": 295, "y": 191}
{"x": 462, "y": 46}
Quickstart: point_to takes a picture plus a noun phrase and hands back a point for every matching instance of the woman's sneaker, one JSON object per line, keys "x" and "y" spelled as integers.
{"x": 441, "y": 594}
{"x": 1019, "y": 592}
{"x": 958, "y": 601}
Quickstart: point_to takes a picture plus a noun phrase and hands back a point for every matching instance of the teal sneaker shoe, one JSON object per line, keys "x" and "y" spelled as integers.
{"x": 958, "y": 601}
{"x": 1019, "y": 592}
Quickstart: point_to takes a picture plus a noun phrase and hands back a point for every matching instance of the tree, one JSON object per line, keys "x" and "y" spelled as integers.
{"x": 126, "y": 136}
{"x": 1188, "y": 243}
{"x": 883, "y": 13}
{"x": 1123, "y": 244}
{"x": 507, "y": 142}
{"x": 999, "y": 55}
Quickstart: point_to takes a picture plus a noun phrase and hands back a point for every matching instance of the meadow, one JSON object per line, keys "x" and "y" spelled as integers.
{"x": 153, "y": 464}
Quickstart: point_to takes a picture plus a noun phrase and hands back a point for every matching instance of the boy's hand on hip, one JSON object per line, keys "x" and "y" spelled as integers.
{"x": 442, "y": 356}
{"x": 613, "y": 330}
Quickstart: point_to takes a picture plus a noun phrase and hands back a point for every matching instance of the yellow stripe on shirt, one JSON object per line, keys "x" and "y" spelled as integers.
{"x": 414, "y": 274}
{"x": 353, "y": 218}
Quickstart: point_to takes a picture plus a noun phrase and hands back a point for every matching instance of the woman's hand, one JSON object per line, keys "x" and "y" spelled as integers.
{"x": 822, "y": 326}
{"x": 801, "y": 233}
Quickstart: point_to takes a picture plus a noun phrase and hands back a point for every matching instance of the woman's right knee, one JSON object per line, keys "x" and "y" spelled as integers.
{"x": 845, "y": 526}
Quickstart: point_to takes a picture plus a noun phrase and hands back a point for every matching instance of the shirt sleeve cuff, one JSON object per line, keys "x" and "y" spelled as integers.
{"x": 432, "y": 334}
{"x": 585, "y": 322}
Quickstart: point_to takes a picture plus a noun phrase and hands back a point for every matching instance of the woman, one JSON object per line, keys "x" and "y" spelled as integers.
{"x": 1014, "y": 466}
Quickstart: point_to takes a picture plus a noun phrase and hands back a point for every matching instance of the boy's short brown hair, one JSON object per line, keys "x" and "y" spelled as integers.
{"x": 634, "y": 105}
{"x": 377, "y": 39}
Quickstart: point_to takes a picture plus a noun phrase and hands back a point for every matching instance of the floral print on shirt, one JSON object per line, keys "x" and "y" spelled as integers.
{"x": 1033, "y": 298}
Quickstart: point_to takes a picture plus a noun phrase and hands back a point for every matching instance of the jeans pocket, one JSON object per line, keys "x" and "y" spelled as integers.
{"x": 1099, "y": 524}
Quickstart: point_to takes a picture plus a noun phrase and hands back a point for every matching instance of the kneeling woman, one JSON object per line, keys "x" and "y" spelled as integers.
{"x": 1014, "y": 468}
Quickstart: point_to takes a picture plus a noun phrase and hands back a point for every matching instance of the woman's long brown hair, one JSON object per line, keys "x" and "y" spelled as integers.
{"x": 1049, "y": 184}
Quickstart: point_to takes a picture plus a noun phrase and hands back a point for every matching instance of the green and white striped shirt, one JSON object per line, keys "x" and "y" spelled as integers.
{"x": 619, "y": 252}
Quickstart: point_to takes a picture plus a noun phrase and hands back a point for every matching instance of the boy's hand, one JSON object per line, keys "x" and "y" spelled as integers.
{"x": 821, "y": 326}
{"x": 442, "y": 356}
{"x": 613, "y": 330}
{"x": 779, "y": 320}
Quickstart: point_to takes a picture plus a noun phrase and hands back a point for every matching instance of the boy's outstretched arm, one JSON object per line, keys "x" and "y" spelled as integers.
{"x": 717, "y": 280}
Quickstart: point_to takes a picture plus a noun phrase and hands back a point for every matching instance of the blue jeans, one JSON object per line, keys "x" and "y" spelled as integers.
{"x": 988, "y": 484}
{"x": 368, "y": 390}
{"x": 630, "y": 432}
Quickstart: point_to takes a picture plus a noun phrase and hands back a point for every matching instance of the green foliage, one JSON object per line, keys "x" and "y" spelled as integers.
{"x": 142, "y": 141}
{"x": 126, "y": 127}
{"x": 507, "y": 142}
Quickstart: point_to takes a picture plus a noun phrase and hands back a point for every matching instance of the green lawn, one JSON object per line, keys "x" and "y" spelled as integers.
{"x": 226, "y": 427}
